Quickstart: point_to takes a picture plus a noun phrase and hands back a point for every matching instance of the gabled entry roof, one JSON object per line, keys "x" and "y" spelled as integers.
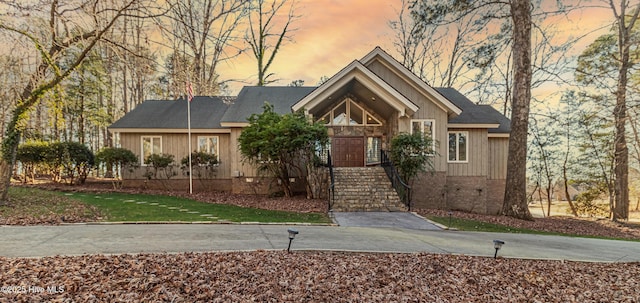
{"x": 356, "y": 71}
{"x": 379, "y": 55}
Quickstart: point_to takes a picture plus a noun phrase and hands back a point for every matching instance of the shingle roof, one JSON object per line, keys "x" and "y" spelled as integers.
{"x": 251, "y": 99}
{"x": 206, "y": 113}
{"x": 475, "y": 114}
{"x": 209, "y": 112}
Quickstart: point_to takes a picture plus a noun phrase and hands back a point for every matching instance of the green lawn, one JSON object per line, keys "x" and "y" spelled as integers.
{"x": 116, "y": 207}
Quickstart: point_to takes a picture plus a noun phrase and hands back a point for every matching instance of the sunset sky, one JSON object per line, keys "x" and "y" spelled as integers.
{"x": 332, "y": 33}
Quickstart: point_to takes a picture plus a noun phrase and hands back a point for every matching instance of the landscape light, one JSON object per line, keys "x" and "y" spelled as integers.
{"x": 292, "y": 235}
{"x": 497, "y": 244}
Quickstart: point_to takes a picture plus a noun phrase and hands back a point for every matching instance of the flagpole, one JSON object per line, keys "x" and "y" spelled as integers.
{"x": 189, "y": 131}
{"x": 189, "y": 98}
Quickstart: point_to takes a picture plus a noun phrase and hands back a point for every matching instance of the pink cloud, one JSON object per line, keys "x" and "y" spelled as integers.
{"x": 332, "y": 33}
{"x": 329, "y": 35}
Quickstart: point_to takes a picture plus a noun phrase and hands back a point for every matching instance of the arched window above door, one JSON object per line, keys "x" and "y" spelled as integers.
{"x": 348, "y": 112}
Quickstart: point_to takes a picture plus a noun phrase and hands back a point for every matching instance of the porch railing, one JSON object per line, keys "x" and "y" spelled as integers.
{"x": 401, "y": 187}
{"x": 331, "y": 193}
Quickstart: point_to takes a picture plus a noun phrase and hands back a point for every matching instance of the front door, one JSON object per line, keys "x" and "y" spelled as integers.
{"x": 347, "y": 151}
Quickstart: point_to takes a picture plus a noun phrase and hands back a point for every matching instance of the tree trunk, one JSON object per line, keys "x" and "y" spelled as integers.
{"x": 5, "y": 174}
{"x": 515, "y": 197}
{"x": 621, "y": 169}
{"x": 574, "y": 211}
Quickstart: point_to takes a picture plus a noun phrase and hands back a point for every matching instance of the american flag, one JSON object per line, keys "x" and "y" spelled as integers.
{"x": 189, "y": 91}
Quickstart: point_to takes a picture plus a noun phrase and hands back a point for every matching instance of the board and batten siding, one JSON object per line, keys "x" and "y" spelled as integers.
{"x": 477, "y": 154}
{"x": 428, "y": 110}
{"x": 498, "y": 152}
{"x": 176, "y": 145}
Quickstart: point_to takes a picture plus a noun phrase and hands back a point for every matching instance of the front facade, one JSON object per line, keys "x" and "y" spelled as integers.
{"x": 364, "y": 106}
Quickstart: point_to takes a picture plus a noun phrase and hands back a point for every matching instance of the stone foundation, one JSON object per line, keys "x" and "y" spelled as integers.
{"x": 495, "y": 195}
{"x": 471, "y": 194}
{"x": 429, "y": 190}
{"x": 467, "y": 194}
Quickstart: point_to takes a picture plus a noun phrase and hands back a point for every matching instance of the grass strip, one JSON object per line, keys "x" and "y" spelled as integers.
{"x": 140, "y": 207}
{"x": 474, "y": 225}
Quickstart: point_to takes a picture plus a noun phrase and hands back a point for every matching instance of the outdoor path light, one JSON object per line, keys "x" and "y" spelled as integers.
{"x": 292, "y": 235}
{"x": 497, "y": 244}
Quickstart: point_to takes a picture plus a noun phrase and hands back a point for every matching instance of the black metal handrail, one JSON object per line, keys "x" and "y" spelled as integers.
{"x": 332, "y": 184}
{"x": 402, "y": 188}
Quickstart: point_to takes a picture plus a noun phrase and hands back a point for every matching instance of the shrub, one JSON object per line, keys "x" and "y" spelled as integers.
{"x": 200, "y": 159}
{"x": 31, "y": 155}
{"x": 68, "y": 161}
{"x": 159, "y": 162}
{"x": 114, "y": 158}
{"x": 412, "y": 154}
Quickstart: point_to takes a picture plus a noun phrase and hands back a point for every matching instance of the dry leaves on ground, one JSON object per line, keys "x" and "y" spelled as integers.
{"x": 276, "y": 276}
{"x": 567, "y": 225}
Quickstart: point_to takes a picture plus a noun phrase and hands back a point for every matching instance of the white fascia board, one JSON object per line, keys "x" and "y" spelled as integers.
{"x": 234, "y": 124}
{"x": 498, "y": 135}
{"x": 462, "y": 125}
{"x": 415, "y": 80}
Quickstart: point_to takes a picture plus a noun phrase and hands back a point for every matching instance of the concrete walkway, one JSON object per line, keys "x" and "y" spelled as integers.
{"x": 383, "y": 219}
{"x": 38, "y": 241}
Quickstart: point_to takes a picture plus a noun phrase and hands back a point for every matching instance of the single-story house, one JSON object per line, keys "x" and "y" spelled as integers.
{"x": 364, "y": 106}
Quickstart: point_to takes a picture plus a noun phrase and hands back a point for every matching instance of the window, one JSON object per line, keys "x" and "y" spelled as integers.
{"x": 373, "y": 150}
{"x": 322, "y": 152}
{"x": 349, "y": 112}
{"x": 209, "y": 144}
{"x": 150, "y": 145}
{"x": 458, "y": 147}
{"x": 427, "y": 127}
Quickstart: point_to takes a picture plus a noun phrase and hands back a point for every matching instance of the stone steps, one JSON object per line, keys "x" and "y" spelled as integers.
{"x": 364, "y": 189}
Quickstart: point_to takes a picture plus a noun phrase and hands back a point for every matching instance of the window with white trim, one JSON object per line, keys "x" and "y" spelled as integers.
{"x": 458, "y": 150}
{"x": 209, "y": 145}
{"x": 150, "y": 145}
{"x": 427, "y": 127}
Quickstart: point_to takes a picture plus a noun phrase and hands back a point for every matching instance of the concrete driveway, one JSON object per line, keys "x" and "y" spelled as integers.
{"x": 39, "y": 241}
{"x": 383, "y": 219}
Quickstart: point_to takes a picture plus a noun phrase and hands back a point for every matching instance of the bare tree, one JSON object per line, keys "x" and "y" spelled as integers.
{"x": 606, "y": 65}
{"x": 267, "y": 32}
{"x": 202, "y": 34}
{"x": 474, "y": 51}
{"x": 543, "y": 155}
{"x": 519, "y": 12}
{"x": 71, "y": 30}
{"x": 440, "y": 55}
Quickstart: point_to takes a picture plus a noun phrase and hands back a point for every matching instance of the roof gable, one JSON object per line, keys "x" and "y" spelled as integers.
{"x": 378, "y": 54}
{"x": 360, "y": 73}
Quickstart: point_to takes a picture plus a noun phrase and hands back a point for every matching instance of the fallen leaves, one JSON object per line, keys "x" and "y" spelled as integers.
{"x": 276, "y": 276}
{"x": 566, "y": 225}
